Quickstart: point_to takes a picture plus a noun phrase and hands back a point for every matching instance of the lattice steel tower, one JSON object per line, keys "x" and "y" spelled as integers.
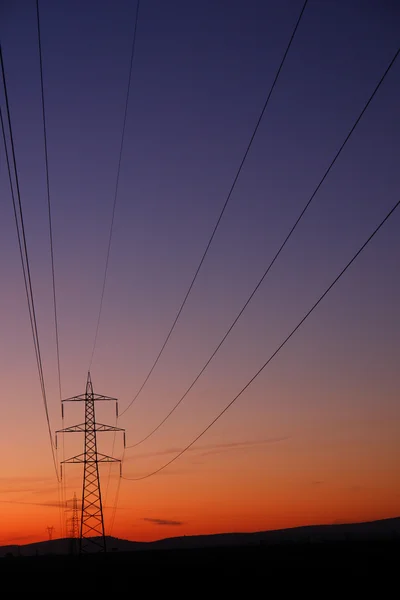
{"x": 92, "y": 535}
{"x": 73, "y": 526}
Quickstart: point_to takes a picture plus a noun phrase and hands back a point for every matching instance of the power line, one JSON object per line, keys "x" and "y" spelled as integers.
{"x": 109, "y": 466}
{"x": 24, "y": 253}
{"x": 21, "y": 239}
{"x": 114, "y": 207}
{"x": 223, "y": 209}
{"x": 116, "y": 500}
{"x": 18, "y": 232}
{"x": 276, "y": 351}
{"x": 61, "y": 483}
{"x": 277, "y": 253}
{"x": 116, "y": 186}
{"x": 48, "y": 199}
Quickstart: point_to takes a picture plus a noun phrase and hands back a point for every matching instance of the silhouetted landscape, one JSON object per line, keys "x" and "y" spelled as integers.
{"x": 199, "y": 247}
{"x": 327, "y": 547}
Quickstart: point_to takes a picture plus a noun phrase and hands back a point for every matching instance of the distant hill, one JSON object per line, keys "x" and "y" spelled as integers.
{"x": 386, "y": 529}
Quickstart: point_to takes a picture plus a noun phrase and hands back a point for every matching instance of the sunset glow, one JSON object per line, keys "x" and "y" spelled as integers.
{"x": 314, "y": 439}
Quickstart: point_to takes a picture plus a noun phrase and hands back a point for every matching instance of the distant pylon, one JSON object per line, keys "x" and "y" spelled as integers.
{"x": 92, "y": 535}
{"x": 50, "y": 530}
{"x": 73, "y": 526}
{"x": 74, "y": 523}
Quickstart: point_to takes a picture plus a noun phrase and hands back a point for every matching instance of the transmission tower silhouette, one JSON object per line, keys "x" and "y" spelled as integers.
{"x": 50, "y": 530}
{"x": 73, "y": 526}
{"x": 92, "y": 535}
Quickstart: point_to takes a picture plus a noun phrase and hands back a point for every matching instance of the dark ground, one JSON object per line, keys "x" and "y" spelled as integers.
{"x": 319, "y": 564}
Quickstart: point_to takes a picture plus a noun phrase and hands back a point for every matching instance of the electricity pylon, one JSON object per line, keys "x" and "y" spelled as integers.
{"x": 50, "y": 530}
{"x": 74, "y": 521}
{"x": 73, "y": 526}
{"x": 92, "y": 536}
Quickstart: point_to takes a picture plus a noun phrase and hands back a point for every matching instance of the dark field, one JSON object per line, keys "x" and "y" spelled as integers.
{"x": 331, "y": 557}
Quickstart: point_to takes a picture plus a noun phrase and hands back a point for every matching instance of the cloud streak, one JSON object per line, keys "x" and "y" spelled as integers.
{"x": 209, "y": 449}
{"x": 163, "y": 522}
{"x": 11, "y": 485}
{"x": 218, "y": 448}
{"x": 48, "y": 504}
{"x": 68, "y": 505}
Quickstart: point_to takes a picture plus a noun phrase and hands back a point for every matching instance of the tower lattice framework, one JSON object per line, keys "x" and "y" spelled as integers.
{"x": 92, "y": 534}
{"x": 74, "y": 522}
{"x": 73, "y": 526}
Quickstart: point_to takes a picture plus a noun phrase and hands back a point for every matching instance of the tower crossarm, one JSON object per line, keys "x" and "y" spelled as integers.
{"x": 79, "y": 458}
{"x": 74, "y": 428}
{"x": 95, "y": 397}
{"x": 100, "y": 458}
{"x": 101, "y": 427}
{"x": 81, "y": 428}
{"x": 106, "y": 458}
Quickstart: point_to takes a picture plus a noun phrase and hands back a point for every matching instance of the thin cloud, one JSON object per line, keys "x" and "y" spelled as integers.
{"x": 218, "y": 448}
{"x": 22, "y": 479}
{"x": 205, "y": 450}
{"x": 48, "y": 504}
{"x": 151, "y": 454}
{"x": 12, "y": 490}
{"x": 163, "y": 522}
{"x": 45, "y": 491}
{"x": 11, "y": 484}
{"x": 68, "y": 505}
{"x": 213, "y": 448}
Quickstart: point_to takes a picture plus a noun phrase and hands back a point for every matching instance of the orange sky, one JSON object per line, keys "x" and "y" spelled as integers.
{"x": 314, "y": 439}
{"x": 275, "y": 483}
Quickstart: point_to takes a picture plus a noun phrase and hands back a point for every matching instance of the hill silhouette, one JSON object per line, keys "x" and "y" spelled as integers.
{"x": 372, "y": 531}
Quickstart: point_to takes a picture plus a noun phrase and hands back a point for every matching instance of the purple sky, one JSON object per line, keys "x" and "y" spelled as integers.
{"x": 201, "y": 73}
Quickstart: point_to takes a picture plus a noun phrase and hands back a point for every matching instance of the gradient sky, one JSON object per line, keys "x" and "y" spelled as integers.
{"x": 315, "y": 438}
